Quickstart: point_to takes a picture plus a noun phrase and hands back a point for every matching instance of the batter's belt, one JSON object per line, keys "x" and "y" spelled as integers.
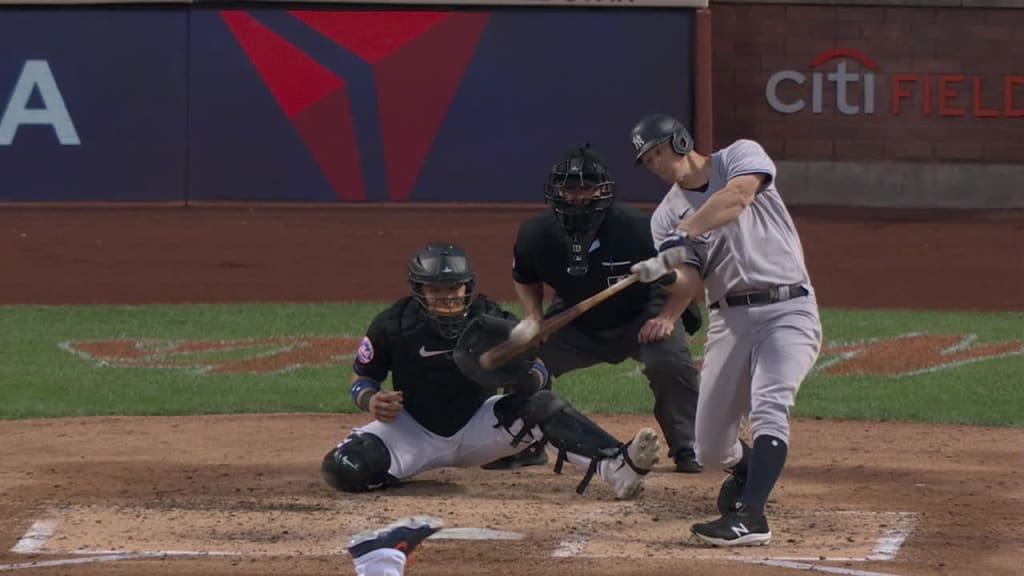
{"x": 762, "y": 297}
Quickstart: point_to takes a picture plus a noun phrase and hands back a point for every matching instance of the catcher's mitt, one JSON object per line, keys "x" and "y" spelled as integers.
{"x": 482, "y": 334}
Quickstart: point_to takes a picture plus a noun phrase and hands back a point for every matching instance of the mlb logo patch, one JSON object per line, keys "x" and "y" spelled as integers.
{"x": 365, "y": 353}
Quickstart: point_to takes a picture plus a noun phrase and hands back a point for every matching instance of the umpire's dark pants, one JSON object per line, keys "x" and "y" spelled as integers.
{"x": 667, "y": 364}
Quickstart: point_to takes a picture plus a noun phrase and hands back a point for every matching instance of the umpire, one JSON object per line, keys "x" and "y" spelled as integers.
{"x": 581, "y": 245}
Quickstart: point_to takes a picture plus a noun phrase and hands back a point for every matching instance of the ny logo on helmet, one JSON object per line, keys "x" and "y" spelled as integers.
{"x": 638, "y": 142}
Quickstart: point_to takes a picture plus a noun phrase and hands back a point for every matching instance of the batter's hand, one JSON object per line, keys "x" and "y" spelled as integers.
{"x": 526, "y": 330}
{"x": 656, "y": 329}
{"x": 650, "y": 270}
{"x": 385, "y": 405}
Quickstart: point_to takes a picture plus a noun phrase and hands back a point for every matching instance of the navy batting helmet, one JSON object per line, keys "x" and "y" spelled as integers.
{"x": 657, "y": 128}
{"x": 443, "y": 264}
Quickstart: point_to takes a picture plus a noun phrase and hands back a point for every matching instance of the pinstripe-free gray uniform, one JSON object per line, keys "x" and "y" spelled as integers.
{"x": 756, "y": 356}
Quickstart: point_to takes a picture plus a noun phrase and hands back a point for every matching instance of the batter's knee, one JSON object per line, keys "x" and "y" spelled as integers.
{"x": 358, "y": 464}
{"x": 716, "y": 454}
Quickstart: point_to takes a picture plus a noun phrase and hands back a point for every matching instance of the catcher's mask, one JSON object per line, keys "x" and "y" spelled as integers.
{"x": 442, "y": 280}
{"x": 579, "y": 192}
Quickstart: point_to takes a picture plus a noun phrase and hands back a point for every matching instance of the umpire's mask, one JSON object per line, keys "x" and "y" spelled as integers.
{"x": 579, "y": 191}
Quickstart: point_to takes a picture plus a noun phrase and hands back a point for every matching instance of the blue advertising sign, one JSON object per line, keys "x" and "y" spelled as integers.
{"x": 195, "y": 103}
{"x": 93, "y": 104}
{"x": 328, "y": 105}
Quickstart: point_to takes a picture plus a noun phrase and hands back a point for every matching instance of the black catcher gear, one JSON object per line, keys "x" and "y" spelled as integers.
{"x": 358, "y": 464}
{"x": 658, "y": 128}
{"x": 443, "y": 264}
{"x": 579, "y": 169}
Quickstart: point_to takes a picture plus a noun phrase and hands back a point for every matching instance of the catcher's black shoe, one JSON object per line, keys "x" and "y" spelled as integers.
{"x": 534, "y": 455}
{"x": 403, "y": 535}
{"x": 738, "y": 527}
{"x": 730, "y": 493}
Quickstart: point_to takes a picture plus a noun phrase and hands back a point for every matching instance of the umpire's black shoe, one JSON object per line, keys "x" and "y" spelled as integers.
{"x": 534, "y": 455}
{"x": 738, "y": 527}
{"x": 687, "y": 463}
{"x": 730, "y": 493}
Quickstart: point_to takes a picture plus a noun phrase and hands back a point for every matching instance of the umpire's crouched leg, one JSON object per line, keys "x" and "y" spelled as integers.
{"x": 673, "y": 378}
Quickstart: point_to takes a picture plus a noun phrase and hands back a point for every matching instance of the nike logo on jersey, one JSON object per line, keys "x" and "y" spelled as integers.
{"x": 424, "y": 353}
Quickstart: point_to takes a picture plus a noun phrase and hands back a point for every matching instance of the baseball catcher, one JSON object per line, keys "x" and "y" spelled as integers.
{"x": 446, "y": 410}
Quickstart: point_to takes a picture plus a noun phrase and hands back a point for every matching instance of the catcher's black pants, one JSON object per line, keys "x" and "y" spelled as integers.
{"x": 667, "y": 364}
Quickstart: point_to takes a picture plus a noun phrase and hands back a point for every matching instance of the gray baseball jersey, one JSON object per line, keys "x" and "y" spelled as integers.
{"x": 755, "y": 357}
{"x": 758, "y": 249}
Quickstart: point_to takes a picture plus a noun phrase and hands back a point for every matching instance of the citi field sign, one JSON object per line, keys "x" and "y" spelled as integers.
{"x": 857, "y": 92}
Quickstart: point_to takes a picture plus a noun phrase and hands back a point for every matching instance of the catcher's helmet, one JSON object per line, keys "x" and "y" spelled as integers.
{"x": 443, "y": 264}
{"x": 657, "y": 128}
{"x": 580, "y": 216}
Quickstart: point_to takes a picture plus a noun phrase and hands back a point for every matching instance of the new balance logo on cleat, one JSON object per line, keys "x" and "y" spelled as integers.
{"x": 740, "y": 530}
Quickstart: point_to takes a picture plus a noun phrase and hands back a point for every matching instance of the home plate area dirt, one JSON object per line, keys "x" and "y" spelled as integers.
{"x": 242, "y": 494}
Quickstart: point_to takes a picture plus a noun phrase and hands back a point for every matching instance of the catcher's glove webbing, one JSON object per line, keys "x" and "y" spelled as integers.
{"x": 482, "y": 334}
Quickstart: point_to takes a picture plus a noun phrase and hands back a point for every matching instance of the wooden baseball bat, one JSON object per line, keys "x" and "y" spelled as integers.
{"x": 509, "y": 348}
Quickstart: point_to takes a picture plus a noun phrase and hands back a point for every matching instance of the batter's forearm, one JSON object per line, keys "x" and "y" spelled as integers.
{"x": 723, "y": 207}
{"x": 531, "y": 298}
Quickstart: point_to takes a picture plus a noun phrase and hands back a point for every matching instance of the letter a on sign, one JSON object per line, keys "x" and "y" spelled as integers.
{"x": 36, "y": 74}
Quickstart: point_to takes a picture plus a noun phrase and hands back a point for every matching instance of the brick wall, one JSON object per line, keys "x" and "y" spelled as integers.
{"x": 971, "y": 59}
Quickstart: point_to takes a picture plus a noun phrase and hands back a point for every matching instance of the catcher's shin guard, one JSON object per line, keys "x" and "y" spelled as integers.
{"x": 569, "y": 431}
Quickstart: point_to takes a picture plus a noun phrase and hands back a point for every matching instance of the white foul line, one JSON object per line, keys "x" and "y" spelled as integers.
{"x": 814, "y": 567}
{"x": 889, "y": 544}
{"x": 35, "y": 537}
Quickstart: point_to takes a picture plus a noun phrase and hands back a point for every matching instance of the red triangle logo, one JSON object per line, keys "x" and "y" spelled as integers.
{"x": 296, "y": 80}
{"x": 370, "y": 35}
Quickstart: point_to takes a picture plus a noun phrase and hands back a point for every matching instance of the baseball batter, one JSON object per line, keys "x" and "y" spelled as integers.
{"x": 443, "y": 409}
{"x": 723, "y": 226}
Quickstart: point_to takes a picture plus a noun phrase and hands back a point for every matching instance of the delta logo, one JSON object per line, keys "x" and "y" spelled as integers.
{"x": 857, "y": 83}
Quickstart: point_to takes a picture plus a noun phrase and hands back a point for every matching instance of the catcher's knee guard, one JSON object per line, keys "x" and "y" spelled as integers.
{"x": 569, "y": 431}
{"x": 358, "y": 464}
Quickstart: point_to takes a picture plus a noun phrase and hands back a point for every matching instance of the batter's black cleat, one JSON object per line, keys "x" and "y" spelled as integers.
{"x": 534, "y": 455}
{"x": 730, "y": 493}
{"x": 738, "y": 527}
{"x": 403, "y": 535}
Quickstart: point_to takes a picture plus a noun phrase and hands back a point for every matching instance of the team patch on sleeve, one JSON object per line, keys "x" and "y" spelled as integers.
{"x": 365, "y": 353}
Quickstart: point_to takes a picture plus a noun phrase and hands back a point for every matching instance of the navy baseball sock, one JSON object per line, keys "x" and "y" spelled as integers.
{"x": 766, "y": 462}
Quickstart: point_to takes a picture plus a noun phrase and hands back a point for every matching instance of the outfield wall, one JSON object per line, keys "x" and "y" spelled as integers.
{"x": 328, "y": 103}
{"x": 911, "y": 104}
{"x": 877, "y": 103}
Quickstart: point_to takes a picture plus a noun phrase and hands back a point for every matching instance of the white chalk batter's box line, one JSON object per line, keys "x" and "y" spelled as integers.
{"x": 886, "y": 547}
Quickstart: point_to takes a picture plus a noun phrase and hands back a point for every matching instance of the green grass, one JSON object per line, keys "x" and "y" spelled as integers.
{"x": 40, "y": 378}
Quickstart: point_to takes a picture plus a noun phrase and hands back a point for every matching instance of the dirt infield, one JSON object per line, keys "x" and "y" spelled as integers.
{"x": 242, "y": 495}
